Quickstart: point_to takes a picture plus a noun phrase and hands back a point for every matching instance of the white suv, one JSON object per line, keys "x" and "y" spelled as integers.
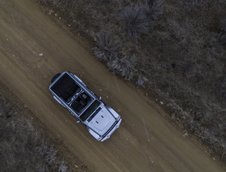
{"x": 72, "y": 93}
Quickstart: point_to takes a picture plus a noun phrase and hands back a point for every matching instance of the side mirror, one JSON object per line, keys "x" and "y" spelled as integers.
{"x": 77, "y": 122}
{"x": 100, "y": 98}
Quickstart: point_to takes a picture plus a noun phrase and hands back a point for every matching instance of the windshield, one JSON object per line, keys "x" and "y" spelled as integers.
{"x": 88, "y": 112}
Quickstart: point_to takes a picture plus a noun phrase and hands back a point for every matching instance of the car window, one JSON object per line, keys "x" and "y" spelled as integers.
{"x": 90, "y": 110}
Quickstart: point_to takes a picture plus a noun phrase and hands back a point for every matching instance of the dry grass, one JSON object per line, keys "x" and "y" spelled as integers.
{"x": 24, "y": 147}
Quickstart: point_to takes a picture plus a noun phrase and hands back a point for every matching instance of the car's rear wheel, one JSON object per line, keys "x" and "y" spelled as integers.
{"x": 55, "y": 77}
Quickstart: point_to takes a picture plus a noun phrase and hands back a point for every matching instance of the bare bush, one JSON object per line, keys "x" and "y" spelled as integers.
{"x": 154, "y": 8}
{"x": 62, "y": 167}
{"x": 124, "y": 66}
{"x": 135, "y": 20}
{"x": 107, "y": 48}
{"x": 141, "y": 80}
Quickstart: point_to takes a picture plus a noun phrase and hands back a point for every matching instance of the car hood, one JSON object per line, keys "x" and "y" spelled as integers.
{"x": 102, "y": 121}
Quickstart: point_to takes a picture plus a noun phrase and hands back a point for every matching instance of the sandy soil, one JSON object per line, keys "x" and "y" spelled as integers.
{"x": 33, "y": 48}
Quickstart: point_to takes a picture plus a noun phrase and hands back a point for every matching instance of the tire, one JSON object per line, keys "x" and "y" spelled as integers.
{"x": 55, "y": 77}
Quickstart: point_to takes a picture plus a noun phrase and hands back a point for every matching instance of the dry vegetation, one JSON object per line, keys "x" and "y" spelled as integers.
{"x": 174, "y": 49}
{"x": 23, "y": 147}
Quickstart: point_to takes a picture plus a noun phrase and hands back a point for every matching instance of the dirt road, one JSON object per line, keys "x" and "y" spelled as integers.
{"x": 33, "y": 48}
